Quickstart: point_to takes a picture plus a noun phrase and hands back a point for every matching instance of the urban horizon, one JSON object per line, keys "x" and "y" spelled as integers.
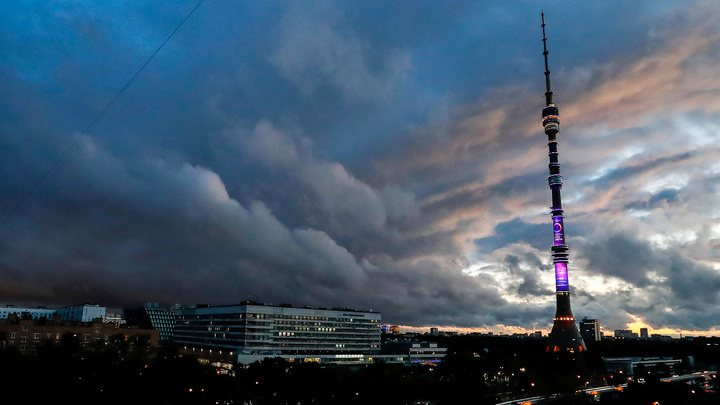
{"x": 495, "y": 329}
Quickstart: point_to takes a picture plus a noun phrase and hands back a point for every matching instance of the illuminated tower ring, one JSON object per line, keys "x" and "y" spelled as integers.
{"x": 564, "y": 336}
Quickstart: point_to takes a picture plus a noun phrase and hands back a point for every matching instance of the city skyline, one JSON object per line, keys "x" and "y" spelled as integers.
{"x": 380, "y": 156}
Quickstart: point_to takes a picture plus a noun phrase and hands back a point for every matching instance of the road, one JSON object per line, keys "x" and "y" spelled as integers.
{"x": 607, "y": 388}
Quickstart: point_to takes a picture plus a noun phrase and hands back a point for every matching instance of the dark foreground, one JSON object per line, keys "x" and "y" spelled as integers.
{"x": 478, "y": 370}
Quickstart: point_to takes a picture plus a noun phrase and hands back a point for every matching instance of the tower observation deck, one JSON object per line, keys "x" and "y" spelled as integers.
{"x": 564, "y": 336}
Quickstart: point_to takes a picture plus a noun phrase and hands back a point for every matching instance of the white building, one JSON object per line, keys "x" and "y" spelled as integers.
{"x": 82, "y": 313}
{"x": 34, "y": 313}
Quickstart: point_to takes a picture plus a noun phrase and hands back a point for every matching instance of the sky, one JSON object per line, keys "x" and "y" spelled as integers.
{"x": 384, "y": 156}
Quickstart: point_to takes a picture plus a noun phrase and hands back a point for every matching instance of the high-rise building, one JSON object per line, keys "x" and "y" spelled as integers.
{"x": 590, "y": 330}
{"x": 266, "y": 330}
{"x": 644, "y": 333}
{"x": 564, "y": 335}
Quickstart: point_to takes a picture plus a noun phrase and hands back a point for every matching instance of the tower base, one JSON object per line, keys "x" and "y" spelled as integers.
{"x": 565, "y": 336}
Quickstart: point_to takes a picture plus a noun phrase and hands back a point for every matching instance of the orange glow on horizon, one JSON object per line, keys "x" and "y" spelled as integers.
{"x": 509, "y": 330}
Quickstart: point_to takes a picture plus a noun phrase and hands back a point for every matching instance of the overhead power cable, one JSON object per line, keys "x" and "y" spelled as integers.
{"x": 98, "y": 116}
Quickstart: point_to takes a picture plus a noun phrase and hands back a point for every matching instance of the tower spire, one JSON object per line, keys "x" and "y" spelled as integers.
{"x": 548, "y": 92}
{"x": 564, "y": 336}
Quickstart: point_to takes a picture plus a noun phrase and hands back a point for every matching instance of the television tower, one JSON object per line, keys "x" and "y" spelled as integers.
{"x": 565, "y": 336}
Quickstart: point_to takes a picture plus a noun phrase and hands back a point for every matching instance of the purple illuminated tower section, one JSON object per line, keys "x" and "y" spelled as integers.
{"x": 565, "y": 336}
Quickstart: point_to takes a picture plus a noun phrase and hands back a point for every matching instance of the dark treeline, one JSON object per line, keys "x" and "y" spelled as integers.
{"x": 483, "y": 369}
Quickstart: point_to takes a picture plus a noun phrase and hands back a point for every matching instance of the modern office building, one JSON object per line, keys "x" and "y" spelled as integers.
{"x": 564, "y": 336}
{"x": 644, "y": 333}
{"x": 152, "y": 316}
{"x": 254, "y": 331}
{"x": 590, "y": 330}
{"x": 82, "y": 313}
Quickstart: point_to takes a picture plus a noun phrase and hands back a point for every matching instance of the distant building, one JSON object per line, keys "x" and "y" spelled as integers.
{"x": 412, "y": 352}
{"x": 434, "y": 331}
{"x": 644, "y": 333}
{"x": 390, "y": 329}
{"x": 117, "y": 319}
{"x": 255, "y": 331}
{"x": 630, "y": 364}
{"x": 32, "y": 313}
{"x": 152, "y": 316}
{"x": 82, "y": 313}
{"x": 625, "y": 334}
{"x": 590, "y": 330}
{"x": 663, "y": 338}
{"x": 27, "y": 334}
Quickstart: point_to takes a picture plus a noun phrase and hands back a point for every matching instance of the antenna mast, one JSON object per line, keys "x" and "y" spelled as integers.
{"x": 548, "y": 92}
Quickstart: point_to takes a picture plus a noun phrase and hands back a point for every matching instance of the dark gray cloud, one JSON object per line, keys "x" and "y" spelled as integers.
{"x": 620, "y": 255}
{"x": 530, "y": 285}
{"x": 516, "y": 230}
{"x": 658, "y": 200}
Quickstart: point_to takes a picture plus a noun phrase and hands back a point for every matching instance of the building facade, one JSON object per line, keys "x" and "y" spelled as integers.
{"x": 28, "y": 334}
{"x": 252, "y": 329}
{"x": 33, "y": 313}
